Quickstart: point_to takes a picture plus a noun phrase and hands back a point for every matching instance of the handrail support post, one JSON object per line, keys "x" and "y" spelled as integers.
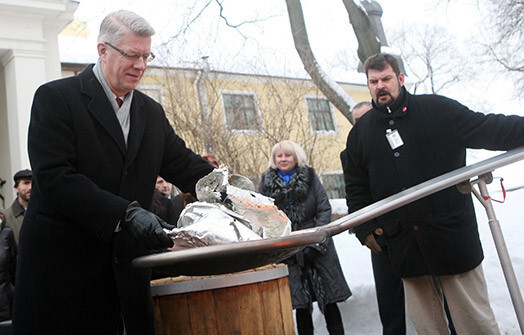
{"x": 502, "y": 250}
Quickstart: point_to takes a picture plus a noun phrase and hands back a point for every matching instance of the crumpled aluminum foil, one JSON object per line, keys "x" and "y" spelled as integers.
{"x": 264, "y": 217}
{"x": 228, "y": 210}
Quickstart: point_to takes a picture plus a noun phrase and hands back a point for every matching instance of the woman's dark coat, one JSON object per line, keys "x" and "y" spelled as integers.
{"x": 436, "y": 235}
{"x": 74, "y": 274}
{"x": 8, "y": 253}
{"x": 306, "y": 204}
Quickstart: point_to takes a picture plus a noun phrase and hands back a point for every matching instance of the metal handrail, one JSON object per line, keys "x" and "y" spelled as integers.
{"x": 422, "y": 190}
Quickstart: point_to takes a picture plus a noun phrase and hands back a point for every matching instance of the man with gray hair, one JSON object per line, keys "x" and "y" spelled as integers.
{"x": 96, "y": 147}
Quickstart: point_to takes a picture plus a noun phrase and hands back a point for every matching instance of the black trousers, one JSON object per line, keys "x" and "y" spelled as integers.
{"x": 390, "y": 295}
{"x": 331, "y": 314}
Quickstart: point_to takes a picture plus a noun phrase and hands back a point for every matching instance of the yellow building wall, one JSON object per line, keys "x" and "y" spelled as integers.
{"x": 278, "y": 97}
{"x": 282, "y": 110}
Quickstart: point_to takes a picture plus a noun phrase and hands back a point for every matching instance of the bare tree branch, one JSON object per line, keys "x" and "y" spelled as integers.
{"x": 432, "y": 57}
{"x": 186, "y": 26}
{"x": 503, "y": 61}
{"x": 221, "y": 14}
{"x": 505, "y": 48}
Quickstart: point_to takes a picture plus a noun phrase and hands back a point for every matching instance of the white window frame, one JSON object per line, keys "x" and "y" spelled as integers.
{"x": 257, "y": 111}
{"x": 144, "y": 88}
{"x": 335, "y": 131}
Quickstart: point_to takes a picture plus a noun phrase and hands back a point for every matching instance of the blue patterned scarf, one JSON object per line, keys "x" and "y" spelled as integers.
{"x": 286, "y": 176}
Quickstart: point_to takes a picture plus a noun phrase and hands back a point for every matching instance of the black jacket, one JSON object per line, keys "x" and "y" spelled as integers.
{"x": 436, "y": 235}
{"x": 8, "y": 253}
{"x": 74, "y": 273}
{"x": 306, "y": 204}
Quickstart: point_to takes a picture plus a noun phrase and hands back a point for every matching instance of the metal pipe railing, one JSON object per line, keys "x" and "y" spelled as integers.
{"x": 422, "y": 190}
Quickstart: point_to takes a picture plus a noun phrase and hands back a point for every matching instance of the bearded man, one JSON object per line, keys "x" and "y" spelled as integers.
{"x": 433, "y": 243}
{"x": 15, "y": 214}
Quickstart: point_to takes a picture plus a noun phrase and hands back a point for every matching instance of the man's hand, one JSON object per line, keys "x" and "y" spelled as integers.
{"x": 372, "y": 244}
{"x": 147, "y": 227}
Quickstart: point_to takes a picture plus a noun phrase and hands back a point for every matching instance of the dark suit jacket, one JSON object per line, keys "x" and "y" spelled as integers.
{"x": 75, "y": 273}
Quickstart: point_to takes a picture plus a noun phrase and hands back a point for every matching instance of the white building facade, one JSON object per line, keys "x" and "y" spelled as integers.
{"x": 29, "y": 57}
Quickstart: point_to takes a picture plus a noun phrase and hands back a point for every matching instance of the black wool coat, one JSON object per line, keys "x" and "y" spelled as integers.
{"x": 436, "y": 235}
{"x": 306, "y": 204}
{"x": 74, "y": 274}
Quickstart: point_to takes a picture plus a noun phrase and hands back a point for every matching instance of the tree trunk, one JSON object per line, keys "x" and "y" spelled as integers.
{"x": 333, "y": 92}
{"x": 368, "y": 43}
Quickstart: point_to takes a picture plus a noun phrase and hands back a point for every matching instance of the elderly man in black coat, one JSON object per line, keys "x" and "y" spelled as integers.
{"x": 96, "y": 146}
{"x": 433, "y": 243}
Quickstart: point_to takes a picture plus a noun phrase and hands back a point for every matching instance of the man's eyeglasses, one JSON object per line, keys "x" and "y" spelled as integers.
{"x": 133, "y": 56}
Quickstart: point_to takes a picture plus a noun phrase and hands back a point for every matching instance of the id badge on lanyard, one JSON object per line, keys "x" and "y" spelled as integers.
{"x": 394, "y": 139}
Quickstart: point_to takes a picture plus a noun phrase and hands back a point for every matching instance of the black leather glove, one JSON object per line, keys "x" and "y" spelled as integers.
{"x": 147, "y": 227}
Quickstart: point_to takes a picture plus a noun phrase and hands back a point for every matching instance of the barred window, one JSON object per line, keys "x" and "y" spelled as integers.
{"x": 320, "y": 115}
{"x": 241, "y": 112}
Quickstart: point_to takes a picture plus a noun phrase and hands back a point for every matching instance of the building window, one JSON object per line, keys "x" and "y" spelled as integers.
{"x": 154, "y": 91}
{"x": 334, "y": 185}
{"x": 241, "y": 112}
{"x": 320, "y": 115}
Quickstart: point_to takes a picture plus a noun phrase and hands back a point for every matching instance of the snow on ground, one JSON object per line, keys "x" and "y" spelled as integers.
{"x": 360, "y": 312}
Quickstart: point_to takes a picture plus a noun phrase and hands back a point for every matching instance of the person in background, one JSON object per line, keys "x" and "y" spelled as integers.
{"x": 360, "y": 109}
{"x": 182, "y": 199}
{"x": 164, "y": 187}
{"x": 357, "y": 111}
{"x": 8, "y": 254}
{"x": 433, "y": 243}
{"x": 164, "y": 204}
{"x": 96, "y": 146}
{"x": 163, "y": 207}
{"x": 15, "y": 214}
{"x": 315, "y": 273}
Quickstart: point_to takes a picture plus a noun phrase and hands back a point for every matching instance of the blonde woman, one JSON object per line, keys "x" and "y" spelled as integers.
{"x": 314, "y": 273}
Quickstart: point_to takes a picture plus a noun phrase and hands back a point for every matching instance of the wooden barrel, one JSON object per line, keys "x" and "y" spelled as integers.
{"x": 254, "y": 302}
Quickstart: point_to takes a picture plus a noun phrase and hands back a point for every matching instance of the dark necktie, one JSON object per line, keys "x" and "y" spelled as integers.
{"x": 119, "y": 102}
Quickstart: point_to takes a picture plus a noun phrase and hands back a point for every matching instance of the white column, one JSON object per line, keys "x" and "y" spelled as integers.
{"x": 53, "y": 68}
{"x": 5, "y": 162}
{"x": 24, "y": 71}
{"x": 29, "y": 56}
